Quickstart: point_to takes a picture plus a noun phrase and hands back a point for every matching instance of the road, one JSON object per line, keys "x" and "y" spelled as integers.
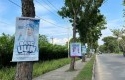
{"x": 110, "y": 67}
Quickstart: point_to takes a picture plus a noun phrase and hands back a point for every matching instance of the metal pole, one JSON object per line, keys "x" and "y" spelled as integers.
{"x": 68, "y": 44}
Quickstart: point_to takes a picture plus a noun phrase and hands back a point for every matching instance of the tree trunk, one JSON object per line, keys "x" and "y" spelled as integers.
{"x": 24, "y": 69}
{"x": 83, "y": 58}
{"x": 72, "y": 64}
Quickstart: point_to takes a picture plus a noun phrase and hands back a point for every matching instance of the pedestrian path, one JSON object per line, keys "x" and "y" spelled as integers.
{"x": 62, "y": 73}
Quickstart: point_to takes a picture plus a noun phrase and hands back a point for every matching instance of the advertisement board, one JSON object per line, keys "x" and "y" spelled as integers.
{"x": 26, "y": 39}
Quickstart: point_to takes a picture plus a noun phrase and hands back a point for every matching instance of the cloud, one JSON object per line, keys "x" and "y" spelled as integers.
{"x": 105, "y": 33}
{"x": 51, "y": 28}
{"x": 60, "y": 41}
{"x": 7, "y": 29}
{"x": 116, "y": 23}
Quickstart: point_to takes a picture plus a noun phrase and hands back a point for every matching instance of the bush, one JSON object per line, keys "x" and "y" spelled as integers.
{"x": 47, "y": 51}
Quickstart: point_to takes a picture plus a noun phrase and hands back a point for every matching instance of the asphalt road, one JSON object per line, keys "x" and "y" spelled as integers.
{"x": 110, "y": 67}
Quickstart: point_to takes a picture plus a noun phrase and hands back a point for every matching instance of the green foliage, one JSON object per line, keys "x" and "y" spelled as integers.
{"x": 6, "y": 49}
{"x": 47, "y": 51}
{"x": 91, "y": 22}
{"x": 119, "y": 34}
{"x": 95, "y": 46}
{"x": 86, "y": 18}
{"x": 86, "y": 72}
{"x": 102, "y": 48}
{"x": 110, "y": 44}
{"x": 71, "y": 9}
{"x": 122, "y": 44}
{"x": 43, "y": 40}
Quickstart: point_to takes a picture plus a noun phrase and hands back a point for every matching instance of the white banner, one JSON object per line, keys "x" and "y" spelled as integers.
{"x": 83, "y": 49}
{"x": 75, "y": 49}
{"x": 92, "y": 51}
{"x": 26, "y": 39}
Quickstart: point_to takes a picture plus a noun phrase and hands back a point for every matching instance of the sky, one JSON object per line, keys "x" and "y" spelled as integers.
{"x": 51, "y": 24}
{"x": 113, "y": 11}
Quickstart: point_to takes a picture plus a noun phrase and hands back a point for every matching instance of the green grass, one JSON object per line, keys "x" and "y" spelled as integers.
{"x": 86, "y": 72}
{"x": 39, "y": 68}
{"x": 43, "y": 67}
{"x": 7, "y": 73}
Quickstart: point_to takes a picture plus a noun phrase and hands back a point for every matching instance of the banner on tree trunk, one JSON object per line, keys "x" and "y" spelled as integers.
{"x": 26, "y": 39}
{"x": 75, "y": 49}
{"x": 83, "y": 49}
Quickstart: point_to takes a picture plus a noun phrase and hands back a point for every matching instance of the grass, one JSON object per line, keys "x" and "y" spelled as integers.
{"x": 87, "y": 71}
{"x": 48, "y": 66}
{"x": 39, "y": 68}
{"x": 7, "y": 73}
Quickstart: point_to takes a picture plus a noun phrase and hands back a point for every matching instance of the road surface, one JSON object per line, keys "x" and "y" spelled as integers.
{"x": 110, "y": 67}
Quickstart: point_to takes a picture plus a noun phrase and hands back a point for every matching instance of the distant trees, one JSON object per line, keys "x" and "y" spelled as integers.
{"x": 115, "y": 43}
{"x": 110, "y": 44}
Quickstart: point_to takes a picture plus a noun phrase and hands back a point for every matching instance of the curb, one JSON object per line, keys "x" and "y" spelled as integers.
{"x": 93, "y": 71}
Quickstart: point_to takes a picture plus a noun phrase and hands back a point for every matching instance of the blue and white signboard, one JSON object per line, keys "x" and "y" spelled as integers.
{"x": 83, "y": 49}
{"x": 92, "y": 51}
{"x": 75, "y": 49}
{"x": 26, "y": 39}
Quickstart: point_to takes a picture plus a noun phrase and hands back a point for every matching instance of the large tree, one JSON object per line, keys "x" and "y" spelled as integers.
{"x": 84, "y": 16}
{"x": 71, "y": 10}
{"x": 24, "y": 69}
{"x": 91, "y": 22}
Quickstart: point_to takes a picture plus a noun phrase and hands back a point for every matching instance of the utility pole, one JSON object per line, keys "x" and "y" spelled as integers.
{"x": 24, "y": 69}
{"x": 52, "y": 40}
{"x": 68, "y": 42}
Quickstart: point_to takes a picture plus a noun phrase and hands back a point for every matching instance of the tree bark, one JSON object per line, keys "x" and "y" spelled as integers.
{"x": 83, "y": 58}
{"x": 72, "y": 64}
{"x": 28, "y": 9}
{"x": 24, "y": 69}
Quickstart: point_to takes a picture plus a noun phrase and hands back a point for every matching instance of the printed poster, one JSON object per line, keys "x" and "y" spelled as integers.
{"x": 26, "y": 39}
{"x": 92, "y": 51}
{"x": 83, "y": 49}
{"x": 75, "y": 49}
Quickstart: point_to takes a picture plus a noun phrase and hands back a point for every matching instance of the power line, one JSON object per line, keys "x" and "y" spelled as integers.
{"x": 46, "y": 7}
{"x": 49, "y": 22}
{"x": 36, "y": 15}
{"x": 15, "y": 3}
{"x": 51, "y": 4}
{"x": 48, "y": 4}
{"x": 4, "y": 23}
